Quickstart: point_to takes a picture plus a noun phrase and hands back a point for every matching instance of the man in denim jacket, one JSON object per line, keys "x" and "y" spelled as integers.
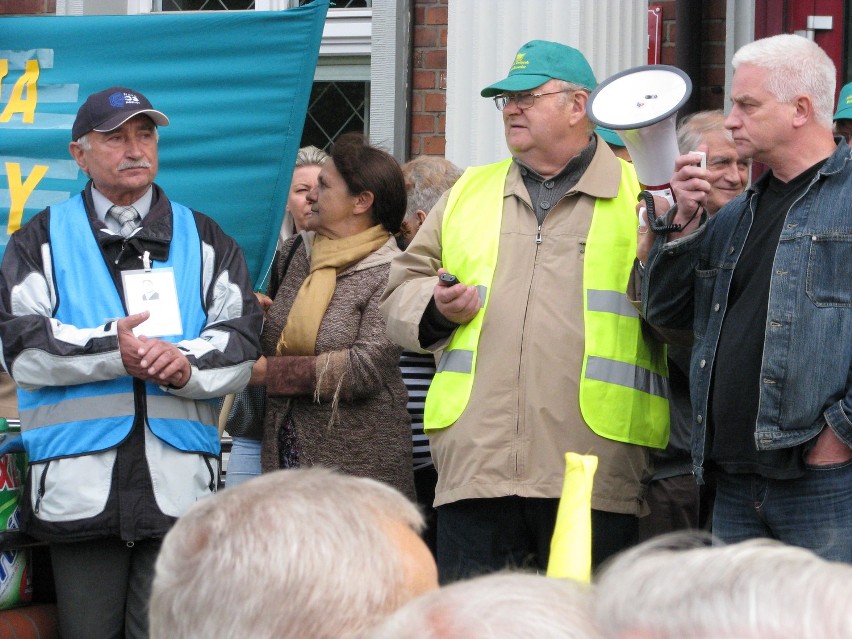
{"x": 766, "y": 286}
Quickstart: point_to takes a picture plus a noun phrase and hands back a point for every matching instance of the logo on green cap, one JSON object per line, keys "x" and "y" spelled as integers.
{"x": 520, "y": 62}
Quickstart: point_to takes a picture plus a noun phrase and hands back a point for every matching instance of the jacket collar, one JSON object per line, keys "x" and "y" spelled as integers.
{"x": 154, "y": 235}
{"x": 834, "y": 164}
{"x": 601, "y": 179}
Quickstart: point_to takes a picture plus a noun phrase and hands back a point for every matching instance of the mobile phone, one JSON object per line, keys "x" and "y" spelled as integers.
{"x": 448, "y": 280}
{"x": 703, "y": 162}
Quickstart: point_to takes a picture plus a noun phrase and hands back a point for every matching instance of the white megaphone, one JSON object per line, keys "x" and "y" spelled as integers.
{"x": 640, "y": 105}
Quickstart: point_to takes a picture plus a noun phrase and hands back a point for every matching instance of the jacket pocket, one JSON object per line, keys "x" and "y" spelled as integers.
{"x": 830, "y": 270}
{"x": 71, "y": 488}
{"x": 179, "y": 478}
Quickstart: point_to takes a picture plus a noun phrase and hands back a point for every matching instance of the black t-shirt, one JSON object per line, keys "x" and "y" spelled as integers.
{"x": 736, "y": 375}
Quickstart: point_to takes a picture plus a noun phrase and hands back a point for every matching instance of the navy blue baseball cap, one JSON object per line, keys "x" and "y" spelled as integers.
{"x": 110, "y": 108}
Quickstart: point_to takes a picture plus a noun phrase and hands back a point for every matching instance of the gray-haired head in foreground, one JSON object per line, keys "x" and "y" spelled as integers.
{"x": 796, "y": 66}
{"x": 496, "y": 606}
{"x": 677, "y": 586}
{"x": 294, "y": 553}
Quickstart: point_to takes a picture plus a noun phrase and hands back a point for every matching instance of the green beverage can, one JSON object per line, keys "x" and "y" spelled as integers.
{"x": 15, "y": 585}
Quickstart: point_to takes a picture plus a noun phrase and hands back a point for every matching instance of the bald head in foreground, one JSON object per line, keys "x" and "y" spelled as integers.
{"x": 503, "y": 605}
{"x": 677, "y": 586}
{"x": 294, "y": 553}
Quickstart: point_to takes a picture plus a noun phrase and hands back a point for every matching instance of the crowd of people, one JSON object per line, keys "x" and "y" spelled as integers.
{"x": 431, "y": 343}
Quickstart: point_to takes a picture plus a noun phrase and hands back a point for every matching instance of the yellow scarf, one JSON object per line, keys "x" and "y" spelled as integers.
{"x": 328, "y": 258}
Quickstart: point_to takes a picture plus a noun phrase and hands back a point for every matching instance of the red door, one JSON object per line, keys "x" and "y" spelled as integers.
{"x": 798, "y": 16}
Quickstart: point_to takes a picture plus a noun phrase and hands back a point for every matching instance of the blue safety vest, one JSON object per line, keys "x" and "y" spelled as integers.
{"x": 64, "y": 421}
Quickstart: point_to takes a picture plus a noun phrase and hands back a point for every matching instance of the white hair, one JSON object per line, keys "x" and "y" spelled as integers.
{"x": 796, "y": 66}
{"x": 692, "y": 129}
{"x": 294, "y": 553}
{"x": 496, "y": 606}
{"x": 674, "y": 586}
{"x": 427, "y": 178}
{"x": 310, "y": 156}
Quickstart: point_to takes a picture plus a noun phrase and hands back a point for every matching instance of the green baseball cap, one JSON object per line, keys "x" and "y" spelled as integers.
{"x": 539, "y": 61}
{"x": 844, "y": 103}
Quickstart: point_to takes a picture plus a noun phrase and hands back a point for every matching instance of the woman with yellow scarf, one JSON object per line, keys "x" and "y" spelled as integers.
{"x": 335, "y": 393}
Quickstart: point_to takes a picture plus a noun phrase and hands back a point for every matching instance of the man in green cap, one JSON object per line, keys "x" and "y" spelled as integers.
{"x": 541, "y": 352}
{"x": 843, "y": 116}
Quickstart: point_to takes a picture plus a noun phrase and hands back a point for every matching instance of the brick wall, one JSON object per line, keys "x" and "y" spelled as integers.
{"x": 667, "y": 50}
{"x": 12, "y": 7}
{"x": 429, "y": 78}
{"x": 711, "y": 83}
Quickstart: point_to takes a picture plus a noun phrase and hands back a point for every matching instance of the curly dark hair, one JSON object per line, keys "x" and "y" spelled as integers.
{"x": 368, "y": 168}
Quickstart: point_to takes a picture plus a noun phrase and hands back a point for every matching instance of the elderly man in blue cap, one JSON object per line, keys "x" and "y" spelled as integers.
{"x": 542, "y": 353}
{"x": 115, "y": 411}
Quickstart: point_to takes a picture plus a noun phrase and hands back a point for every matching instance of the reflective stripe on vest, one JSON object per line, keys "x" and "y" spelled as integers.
{"x": 475, "y": 206}
{"x": 624, "y": 384}
{"x": 62, "y": 421}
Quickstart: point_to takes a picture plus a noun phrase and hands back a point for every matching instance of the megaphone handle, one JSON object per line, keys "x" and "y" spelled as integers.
{"x": 654, "y": 223}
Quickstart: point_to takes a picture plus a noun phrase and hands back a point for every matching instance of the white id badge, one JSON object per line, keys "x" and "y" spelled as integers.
{"x": 153, "y": 291}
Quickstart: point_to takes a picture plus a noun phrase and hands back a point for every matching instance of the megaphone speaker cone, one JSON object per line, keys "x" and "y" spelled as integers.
{"x": 639, "y": 97}
{"x": 641, "y": 104}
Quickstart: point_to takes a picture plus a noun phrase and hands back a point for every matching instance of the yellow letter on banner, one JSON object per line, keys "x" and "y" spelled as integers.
{"x": 17, "y": 103}
{"x": 19, "y": 191}
{"x": 571, "y": 546}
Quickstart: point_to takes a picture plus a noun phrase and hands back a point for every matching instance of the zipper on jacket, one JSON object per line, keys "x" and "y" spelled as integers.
{"x": 538, "y": 235}
{"x": 41, "y": 483}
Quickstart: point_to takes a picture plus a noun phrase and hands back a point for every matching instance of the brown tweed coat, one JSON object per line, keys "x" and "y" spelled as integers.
{"x": 350, "y": 413}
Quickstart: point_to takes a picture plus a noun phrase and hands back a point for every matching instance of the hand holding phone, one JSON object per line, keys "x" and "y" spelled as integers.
{"x": 447, "y": 279}
{"x": 459, "y": 304}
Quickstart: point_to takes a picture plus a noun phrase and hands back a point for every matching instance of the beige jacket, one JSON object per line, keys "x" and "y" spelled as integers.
{"x": 523, "y": 414}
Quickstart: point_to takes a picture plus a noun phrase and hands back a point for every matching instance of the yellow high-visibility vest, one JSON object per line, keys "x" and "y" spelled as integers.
{"x": 624, "y": 386}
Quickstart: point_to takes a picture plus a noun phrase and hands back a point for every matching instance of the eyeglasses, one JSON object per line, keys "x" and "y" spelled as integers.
{"x": 522, "y": 100}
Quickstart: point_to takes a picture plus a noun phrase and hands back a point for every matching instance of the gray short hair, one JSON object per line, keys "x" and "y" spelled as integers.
{"x": 693, "y": 128}
{"x": 310, "y": 156}
{"x": 566, "y": 86}
{"x": 496, "y": 606}
{"x": 795, "y": 66}
{"x": 676, "y": 586}
{"x": 427, "y": 178}
{"x": 293, "y": 553}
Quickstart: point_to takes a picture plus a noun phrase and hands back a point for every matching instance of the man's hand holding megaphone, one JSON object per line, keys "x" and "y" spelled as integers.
{"x": 690, "y": 187}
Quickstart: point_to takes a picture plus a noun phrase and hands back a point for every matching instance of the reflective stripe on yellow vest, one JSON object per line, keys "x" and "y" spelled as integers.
{"x": 474, "y": 209}
{"x": 622, "y": 376}
{"x": 624, "y": 383}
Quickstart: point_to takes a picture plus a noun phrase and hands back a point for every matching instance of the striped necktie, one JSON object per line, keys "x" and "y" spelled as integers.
{"x": 127, "y": 217}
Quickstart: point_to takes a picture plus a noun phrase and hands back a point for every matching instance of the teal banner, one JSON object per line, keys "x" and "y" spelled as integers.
{"x": 235, "y": 85}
